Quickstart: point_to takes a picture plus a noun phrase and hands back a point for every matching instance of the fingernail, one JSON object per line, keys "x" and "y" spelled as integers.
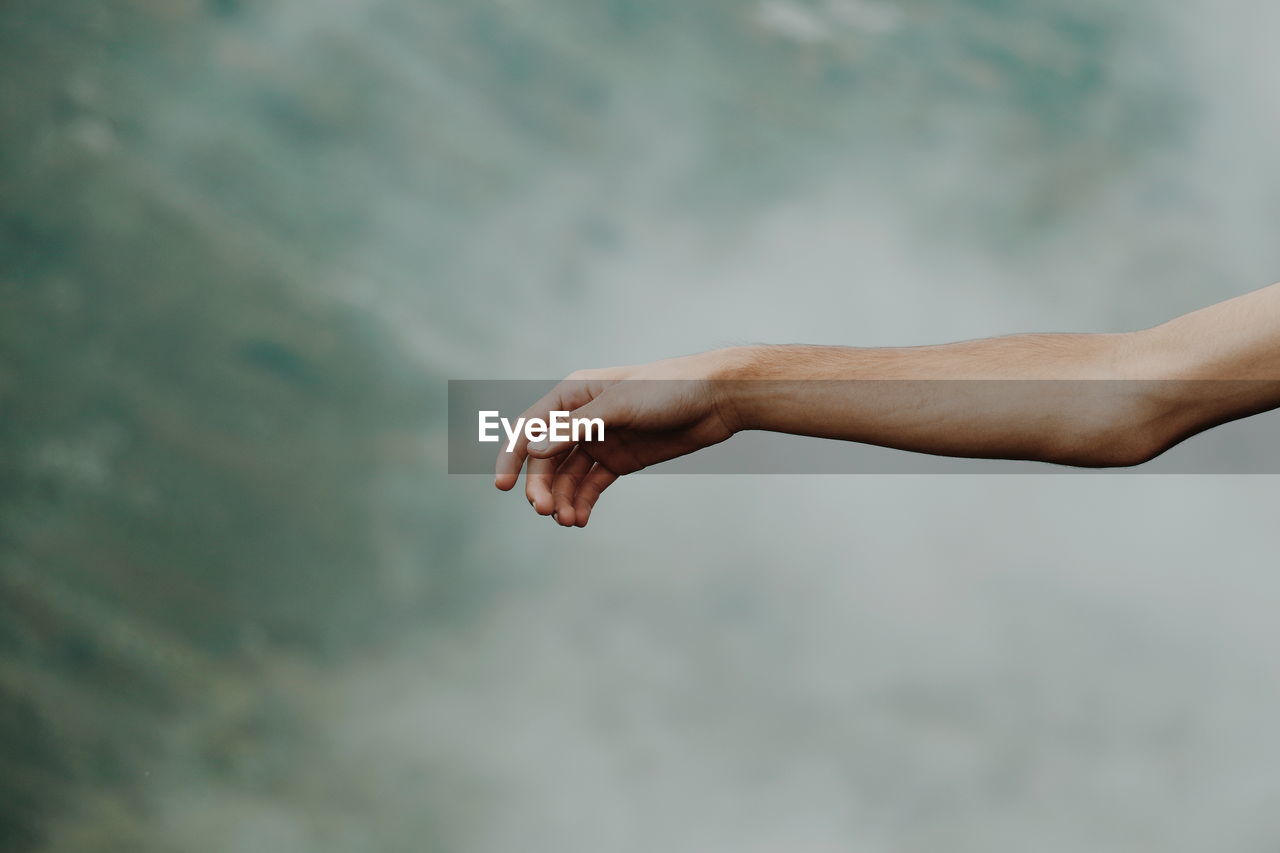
{"x": 555, "y": 513}
{"x": 539, "y": 446}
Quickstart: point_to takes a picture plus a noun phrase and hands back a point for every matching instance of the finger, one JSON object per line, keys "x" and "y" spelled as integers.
{"x": 539, "y": 474}
{"x": 565, "y": 486}
{"x": 567, "y": 394}
{"x": 506, "y": 470}
{"x": 601, "y": 408}
{"x": 593, "y": 484}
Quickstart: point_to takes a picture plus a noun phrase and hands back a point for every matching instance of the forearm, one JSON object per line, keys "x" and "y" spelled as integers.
{"x": 1096, "y": 400}
{"x": 1051, "y": 398}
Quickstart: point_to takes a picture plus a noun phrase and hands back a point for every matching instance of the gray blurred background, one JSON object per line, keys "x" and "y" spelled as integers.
{"x": 243, "y": 244}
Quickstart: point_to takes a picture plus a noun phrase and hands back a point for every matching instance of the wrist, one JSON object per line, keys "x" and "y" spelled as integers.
{"x": 729, "y": 363}
{"x": 728, "y": 372}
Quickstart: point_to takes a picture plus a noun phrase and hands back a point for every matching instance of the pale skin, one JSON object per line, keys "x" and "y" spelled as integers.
{"x": 1172, "y": 381}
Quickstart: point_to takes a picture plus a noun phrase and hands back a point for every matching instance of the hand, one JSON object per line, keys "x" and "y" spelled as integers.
{"x": 651, "y": 413}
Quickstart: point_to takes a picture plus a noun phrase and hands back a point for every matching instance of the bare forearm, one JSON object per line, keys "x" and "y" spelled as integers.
{"x": 1043, "y": 397}
{"x": 1106, "y": 399}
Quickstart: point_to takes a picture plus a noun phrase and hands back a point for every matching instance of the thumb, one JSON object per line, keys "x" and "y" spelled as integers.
{"x": 585, "y": 424}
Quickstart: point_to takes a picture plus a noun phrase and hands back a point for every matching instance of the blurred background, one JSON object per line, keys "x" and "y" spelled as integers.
{"x": 243, "y": 244}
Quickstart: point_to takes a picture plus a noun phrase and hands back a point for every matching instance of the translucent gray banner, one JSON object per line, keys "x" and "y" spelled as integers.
{"x": 1250, "y": 445}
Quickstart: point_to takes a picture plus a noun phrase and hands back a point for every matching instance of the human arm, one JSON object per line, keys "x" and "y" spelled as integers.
{"x": 1081, "y": 399}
